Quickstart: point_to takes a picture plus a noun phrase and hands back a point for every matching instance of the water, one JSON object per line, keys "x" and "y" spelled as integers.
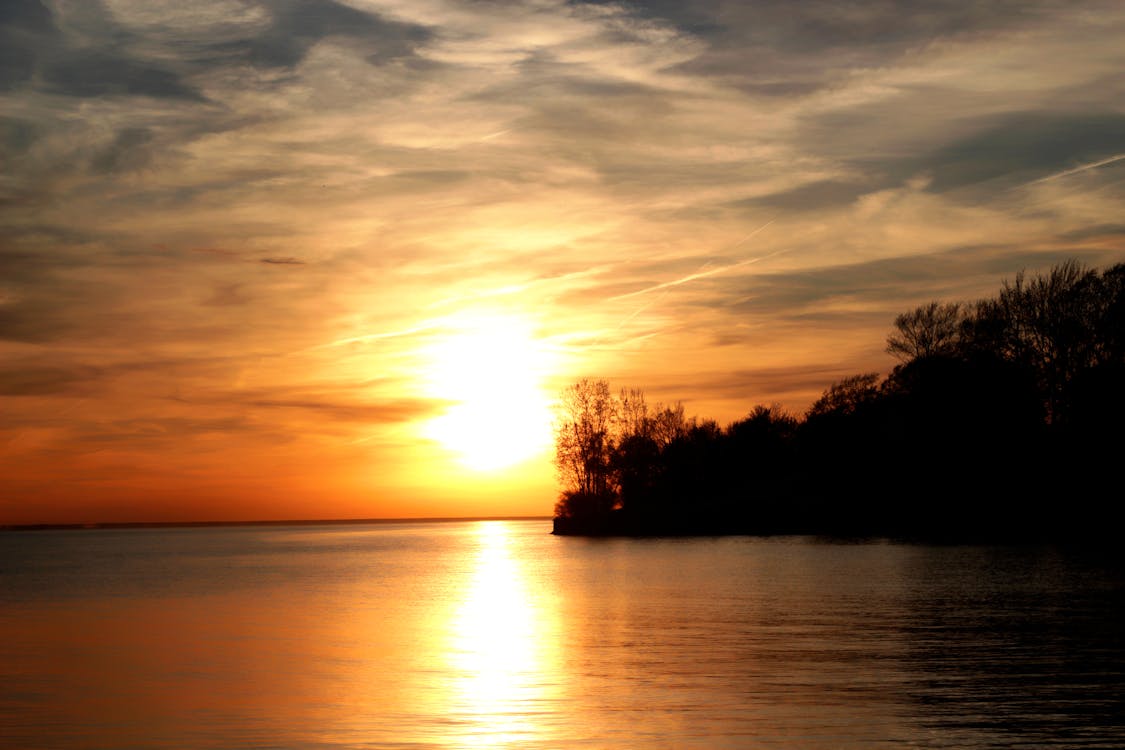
{"x": 496, "y": 634}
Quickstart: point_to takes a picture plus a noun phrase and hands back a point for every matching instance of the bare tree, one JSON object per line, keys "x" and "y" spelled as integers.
{"x": 585, "y": 436}
{"x": 930, "y": 329}
{"x": 634, "y": 416}
{"x": 669, "y": 423}
{"x": 1052, "y": 323}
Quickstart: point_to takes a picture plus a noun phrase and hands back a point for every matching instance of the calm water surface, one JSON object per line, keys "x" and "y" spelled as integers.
{"x": 496, "y": 634}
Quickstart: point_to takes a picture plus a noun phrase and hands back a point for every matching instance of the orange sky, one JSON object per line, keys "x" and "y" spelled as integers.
{"x": 334, "y": 258}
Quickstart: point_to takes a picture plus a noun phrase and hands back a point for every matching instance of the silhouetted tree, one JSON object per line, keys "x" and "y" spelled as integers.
{"x": 763, "y": 442}
{"x": 584, "y": 440}
{"x": 765, "y": 430}
{"x": 930, "y": 329}
{"x": 761, "y": 468}
{"x": 692, "y": 474}
{"x": 638, "y": 470}
{"x": 634, "y": 418}
{"x": 1059, "y": 325}
{"x": 669, "y": 423}
{"x": 846, "y": 396}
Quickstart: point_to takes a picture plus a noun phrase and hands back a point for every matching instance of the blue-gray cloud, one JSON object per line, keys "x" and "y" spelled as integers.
{"x": 992, "y": 152}
{"x": 892, "y": 284}
{"x": 24, "y": 25}
{"x": 75, "y": 58}
{"x": 296, "y": 25}
{"x": 776, "y": 48}
{"x": 77, "y": 64}
{"x": 1024, "y": 146}
{"x": 812, "y": 196}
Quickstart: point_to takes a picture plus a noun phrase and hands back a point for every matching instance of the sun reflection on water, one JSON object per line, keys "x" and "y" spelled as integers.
{"x": 500, "y": 648}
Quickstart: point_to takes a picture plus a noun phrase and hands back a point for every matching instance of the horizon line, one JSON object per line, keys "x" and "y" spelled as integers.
{"x": 254, "y": 522}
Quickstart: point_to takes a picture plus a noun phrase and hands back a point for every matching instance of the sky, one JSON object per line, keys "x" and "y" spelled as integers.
{"x": 335, "y": 258}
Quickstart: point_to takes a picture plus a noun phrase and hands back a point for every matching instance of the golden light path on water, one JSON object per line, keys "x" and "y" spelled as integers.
{"x": 502, "y": 648}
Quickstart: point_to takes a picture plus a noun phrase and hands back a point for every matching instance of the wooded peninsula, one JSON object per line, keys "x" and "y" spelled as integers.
{"x": 1003, "y": 420}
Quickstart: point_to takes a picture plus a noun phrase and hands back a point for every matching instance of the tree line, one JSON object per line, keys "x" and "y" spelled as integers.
{"x": 1003, "y": 417}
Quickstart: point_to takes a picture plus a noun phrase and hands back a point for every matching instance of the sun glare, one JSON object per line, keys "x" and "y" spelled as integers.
{"x": 490, "y": 369}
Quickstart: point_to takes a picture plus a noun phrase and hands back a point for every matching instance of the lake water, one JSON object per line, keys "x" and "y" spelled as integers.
{"x": 497, "y": 634}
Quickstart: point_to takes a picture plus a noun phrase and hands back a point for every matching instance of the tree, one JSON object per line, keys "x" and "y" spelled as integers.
{"x": 637, "y": 470}
{"x": 927, "y": 330}
{"x": 584, "y": 439}
{"x": 846, "y": 396}
{"x": 764, "y": 435}
{"x": 634, "y": 419}
{"x": 608, "y": 448}
{"x": 669, "y": 424}
{"x": 1057, "y": 325}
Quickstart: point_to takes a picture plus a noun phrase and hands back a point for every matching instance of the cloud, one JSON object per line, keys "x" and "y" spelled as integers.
{"x": 773, "y": 48}
{"x": 157, "y": 51}
{"x": 24, "y": 24}
{"x": 75, "y": 64}
{"x": 879, "y": 289}
{"x": 127, "y": 151}
{"x": 812, "y": 196}
{"x": 17, "y": 136}
{"x": 92, "y": 73}
{"x": 1025, "y": 146}
{"x": 763, "y": 385}
{"x": 383, "y": 413}
{"x": 1110, "y": 230}
{"x": 32, "y": 323}
{"x": 297, "y": 25}
{"x": 30, "y": 379}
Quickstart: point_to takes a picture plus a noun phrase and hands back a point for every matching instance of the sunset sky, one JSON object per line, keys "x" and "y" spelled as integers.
{"x": 334, "y": 258}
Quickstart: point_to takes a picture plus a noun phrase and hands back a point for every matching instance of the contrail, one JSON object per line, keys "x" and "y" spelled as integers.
{"x": 513, "y": 288}
{"x": 429, "y": 326}
{"x": 771, "y": 221}
{"x": 486, "y": 294}
{"x": 1076, "y": 170}
{"x": 698, "y": 275}
{"x": 706, "y": 272}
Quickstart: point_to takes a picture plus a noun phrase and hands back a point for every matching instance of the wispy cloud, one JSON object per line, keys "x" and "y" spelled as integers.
{"x": 283, "y": 261}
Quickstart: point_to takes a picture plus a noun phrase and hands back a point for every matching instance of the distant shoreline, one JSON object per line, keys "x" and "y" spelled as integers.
{"x": 288, "y": 522}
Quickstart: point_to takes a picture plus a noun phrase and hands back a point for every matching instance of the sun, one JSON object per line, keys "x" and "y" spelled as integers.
{"x": 490, "y": 369}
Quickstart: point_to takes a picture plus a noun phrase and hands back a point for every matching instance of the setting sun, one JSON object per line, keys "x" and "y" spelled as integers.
{"x": 489, "y": 368}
